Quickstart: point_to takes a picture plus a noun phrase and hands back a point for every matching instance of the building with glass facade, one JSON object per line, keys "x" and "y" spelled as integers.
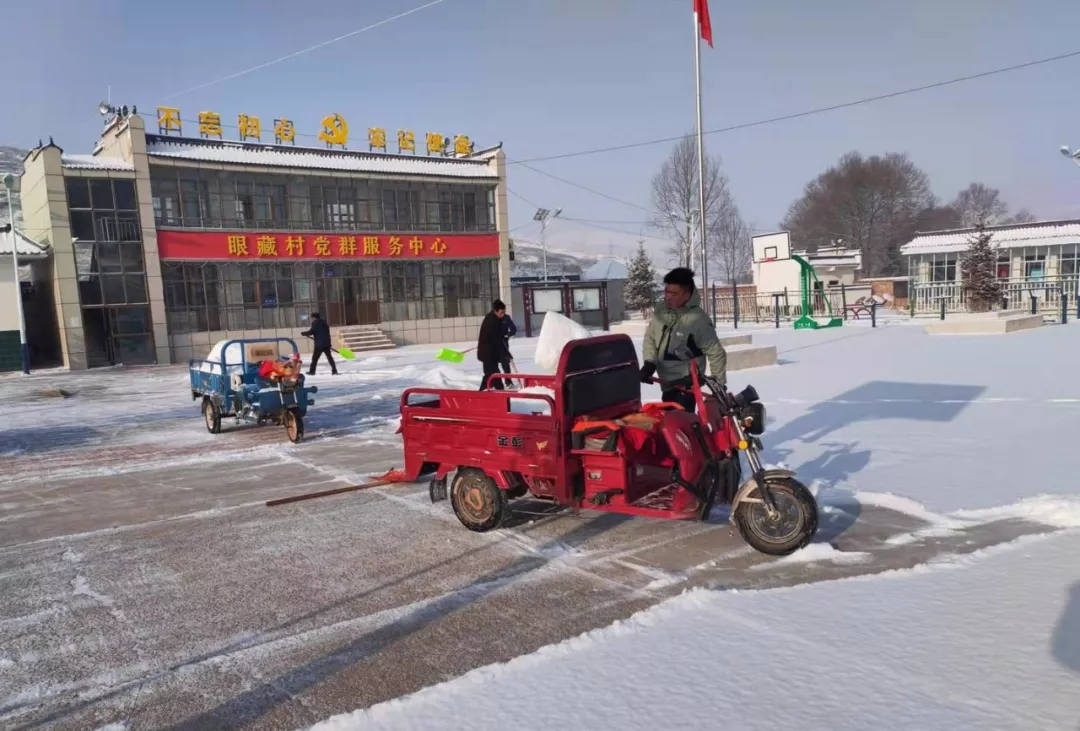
{"x": 1033, "y": 259}
{"x": 163, "y": 245}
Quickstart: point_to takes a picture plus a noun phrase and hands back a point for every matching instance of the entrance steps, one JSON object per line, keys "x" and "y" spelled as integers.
{"x": 363, "y": 338}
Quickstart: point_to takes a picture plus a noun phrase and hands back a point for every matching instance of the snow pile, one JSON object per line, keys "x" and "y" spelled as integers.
{"x": 234, "y": 358}
{"x": 557, "y": 331}
{"x": 448, "y": 377}
{"x": 533, "y": 406}
{"x": 1056, "y": 511}
{"x": 896, "y": 651}
{"x": 818, "y": 552}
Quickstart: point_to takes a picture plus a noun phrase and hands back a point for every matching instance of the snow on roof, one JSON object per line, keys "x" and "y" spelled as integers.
{"x": 248, "y": 153}
{"x": 95, "y": 162}
{"x": 1045, "y": 233}
{"x": 606, "y": 269}
{"x": 26, "y": 247}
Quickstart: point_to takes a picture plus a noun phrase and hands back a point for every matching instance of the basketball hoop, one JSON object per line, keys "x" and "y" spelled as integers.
{"x": 771, "y": 258}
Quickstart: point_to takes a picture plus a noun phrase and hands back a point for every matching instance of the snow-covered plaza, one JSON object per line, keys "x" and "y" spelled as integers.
{"x": 144, "y": 584}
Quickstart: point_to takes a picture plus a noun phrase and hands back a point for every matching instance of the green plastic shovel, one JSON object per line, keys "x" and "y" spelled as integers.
{"x": 452, "y": 356}
{"x": 344, "y": 352}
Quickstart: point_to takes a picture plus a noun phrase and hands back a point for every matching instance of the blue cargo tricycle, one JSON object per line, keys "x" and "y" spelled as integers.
{"x": 231, "y": 387}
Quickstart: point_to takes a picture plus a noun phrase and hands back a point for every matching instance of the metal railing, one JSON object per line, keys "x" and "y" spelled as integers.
{"x": 729, "y": 305}
{"x": 1016, "y": 294}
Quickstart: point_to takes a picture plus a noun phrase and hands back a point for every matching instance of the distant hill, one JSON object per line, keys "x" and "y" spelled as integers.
{"x": 10, "y": 162}
{"x": 529, "y": 261}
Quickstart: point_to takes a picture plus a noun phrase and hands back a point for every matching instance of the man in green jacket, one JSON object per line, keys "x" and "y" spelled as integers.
{"x": 676, "y": 323}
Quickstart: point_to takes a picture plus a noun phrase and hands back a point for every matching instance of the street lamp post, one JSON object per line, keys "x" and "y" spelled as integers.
{"x": 543, "y": 215}
{"x": 9, "y": 184}
{"x": 1074, "y": 156}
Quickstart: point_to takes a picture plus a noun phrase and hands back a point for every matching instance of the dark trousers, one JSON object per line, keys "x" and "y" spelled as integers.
{"x": 315, "y": 360}
{"x": 490, "y": 367}
{"x": 683, "y": 398}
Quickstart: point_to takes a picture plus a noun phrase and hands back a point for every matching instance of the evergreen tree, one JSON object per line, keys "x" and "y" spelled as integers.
{"x": 639, "y": 290}
{"x": 979, "y": 270}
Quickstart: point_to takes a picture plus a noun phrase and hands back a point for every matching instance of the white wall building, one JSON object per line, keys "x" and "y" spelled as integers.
{"x": 1033, "y": 259}
{"x": 1043, "y": 251}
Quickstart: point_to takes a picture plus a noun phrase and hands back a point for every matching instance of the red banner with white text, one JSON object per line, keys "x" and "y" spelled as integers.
{"x": 247, "y": 246}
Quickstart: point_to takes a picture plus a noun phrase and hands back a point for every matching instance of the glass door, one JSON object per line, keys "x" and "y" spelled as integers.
{"x": 131, "y": 338}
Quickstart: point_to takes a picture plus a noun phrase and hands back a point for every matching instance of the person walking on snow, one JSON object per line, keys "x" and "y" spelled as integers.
{"x": 679, "y": 322}
{"x": 491, "y": 346}
{"x": 319, "y": 332}
{"x": 509, "y": 331}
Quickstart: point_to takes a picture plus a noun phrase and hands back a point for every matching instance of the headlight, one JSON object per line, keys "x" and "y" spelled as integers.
{"x": 755, "y": 415}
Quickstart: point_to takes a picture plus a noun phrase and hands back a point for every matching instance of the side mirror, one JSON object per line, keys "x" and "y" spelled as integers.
{"x": 745, "y": 397}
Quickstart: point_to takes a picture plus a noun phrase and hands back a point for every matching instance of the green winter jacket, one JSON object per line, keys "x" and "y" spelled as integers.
{"x": 689, "y": 326}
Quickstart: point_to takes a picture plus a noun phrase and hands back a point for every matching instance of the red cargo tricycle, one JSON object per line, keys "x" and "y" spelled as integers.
{"x": 582, "y": 439}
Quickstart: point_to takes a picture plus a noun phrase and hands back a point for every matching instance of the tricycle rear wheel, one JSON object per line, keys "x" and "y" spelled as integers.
{"x": 477, "y": 501}
{"x": 791, "y": 529}
{"x": 294, "y": 426}
{"x": 212, "y": 416}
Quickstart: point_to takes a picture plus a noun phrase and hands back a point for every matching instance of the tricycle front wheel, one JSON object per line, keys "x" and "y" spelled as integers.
{"x": 294, "y": 426}
{"x": 212, "y": 416}
{"x": 477, "y": 501}
{"x": 791, "y": 528}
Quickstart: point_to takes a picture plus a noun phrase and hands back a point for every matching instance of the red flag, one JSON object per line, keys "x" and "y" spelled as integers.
{"x": 701, "y": 7}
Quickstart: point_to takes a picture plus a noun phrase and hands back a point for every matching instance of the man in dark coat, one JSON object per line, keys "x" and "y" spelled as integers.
{"x": 491, "y": 345}
{"x": 319, "y": 332}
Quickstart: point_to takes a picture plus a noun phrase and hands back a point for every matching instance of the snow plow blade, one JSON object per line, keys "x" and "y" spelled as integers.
{"x": 390, "y": 478}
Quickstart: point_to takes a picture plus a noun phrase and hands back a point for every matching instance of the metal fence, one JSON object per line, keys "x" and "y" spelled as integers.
{"x": 740, "y": 305}
{"x": 1016, "y": 294}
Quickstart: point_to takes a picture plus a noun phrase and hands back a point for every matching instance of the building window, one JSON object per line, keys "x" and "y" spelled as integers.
{"x": 547, "y": 300}
{"x": 1004, "y": 266}
{"x": 215, "y": 297}
{"x": 107, "y": 242}
{"x": 194, "y": 198}
{"x": 943, "y": 269}
{"x": 586, "y": 300}
{"x": 1035, "y": 266}
{"x": 1069, "y": 264}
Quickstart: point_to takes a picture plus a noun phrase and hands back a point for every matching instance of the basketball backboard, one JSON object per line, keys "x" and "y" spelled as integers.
{"x": 771, "y": 247}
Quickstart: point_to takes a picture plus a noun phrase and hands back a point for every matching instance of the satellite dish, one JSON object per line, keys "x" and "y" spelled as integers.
{"x": 104, "y": 108}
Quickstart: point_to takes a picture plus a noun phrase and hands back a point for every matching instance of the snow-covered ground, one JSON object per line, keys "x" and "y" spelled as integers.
{"x": 920, "y": 448}
{"x": 980, "y": 426}
{"x": 989, "y": 642}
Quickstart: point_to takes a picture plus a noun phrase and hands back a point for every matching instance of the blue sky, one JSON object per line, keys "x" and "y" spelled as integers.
{"x": 551, "y": 76}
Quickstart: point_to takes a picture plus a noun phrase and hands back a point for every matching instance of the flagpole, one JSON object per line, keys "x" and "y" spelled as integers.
{"x": 701, "y": 158}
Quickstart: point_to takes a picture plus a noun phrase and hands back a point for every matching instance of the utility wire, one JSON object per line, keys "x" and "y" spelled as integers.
{"x": 601, "y": 220}
{"x": 806, "y": 113}
{"x": 638, "y": 234}
{"x": 521, "y": 197}
{"x": 582, "y": 187}
{"x": 306, "y": 50}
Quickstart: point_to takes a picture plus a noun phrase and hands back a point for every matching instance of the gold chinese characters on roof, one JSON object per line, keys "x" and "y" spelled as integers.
{"x": 334, "y": 131}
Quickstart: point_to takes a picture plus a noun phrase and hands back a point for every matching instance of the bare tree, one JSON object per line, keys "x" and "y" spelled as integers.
{"x": 729, "y": 247}
{"x": 675, "y": 198}
{"x": 1021, "y": 216}
{"x": 979, "y": 204}
{"x": 938, "y": 218}
{"x": 873, "y": 204}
